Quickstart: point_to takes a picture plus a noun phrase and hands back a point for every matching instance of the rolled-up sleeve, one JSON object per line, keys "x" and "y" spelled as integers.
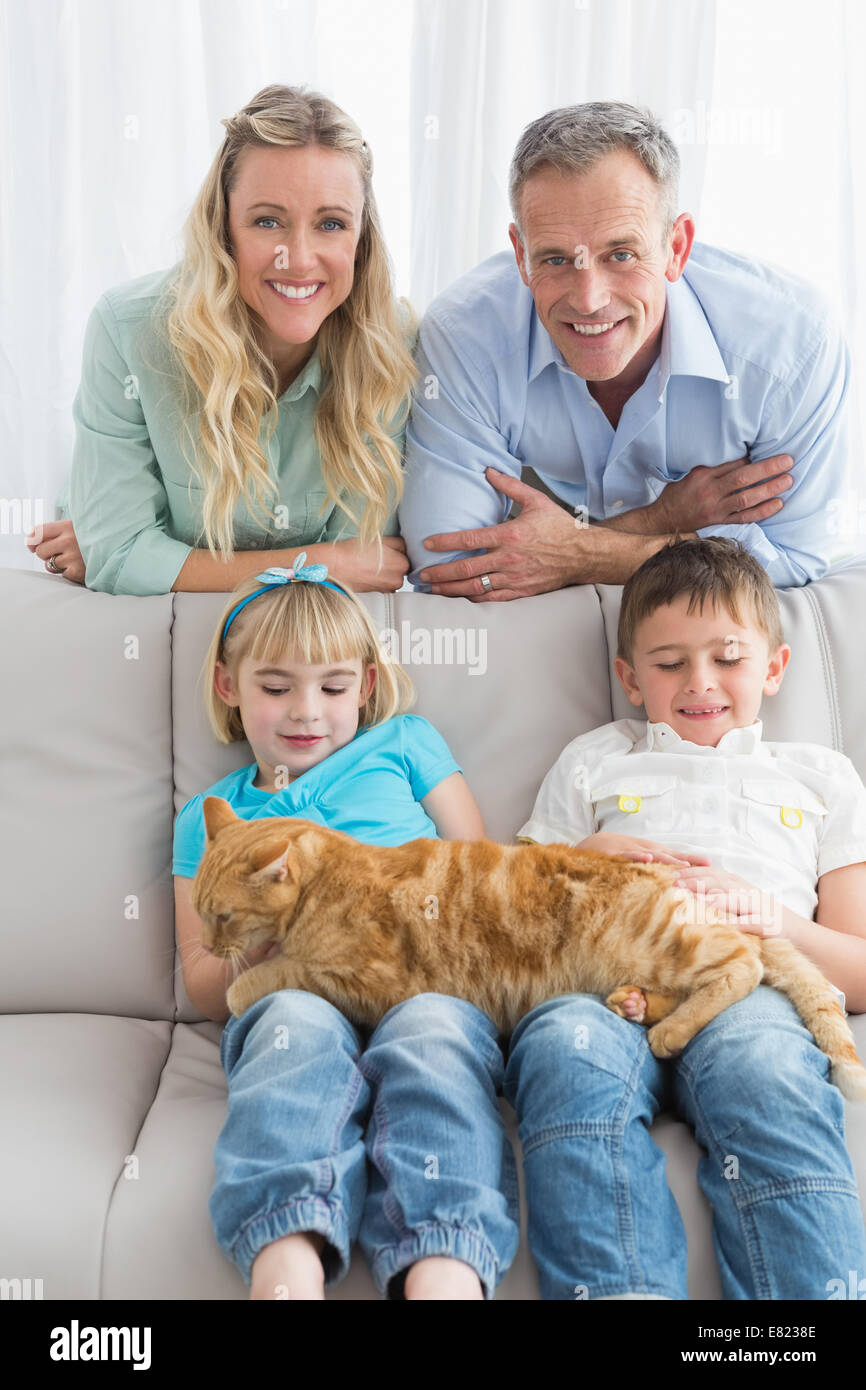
{"x": 116, "y": 498}
{"x": 806, "y": 417}
{"x": 449, "y": 443}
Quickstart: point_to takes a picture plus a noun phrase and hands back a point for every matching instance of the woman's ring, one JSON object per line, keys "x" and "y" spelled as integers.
{"x": 485, "y": 583}
{"x": 49, "y": 564}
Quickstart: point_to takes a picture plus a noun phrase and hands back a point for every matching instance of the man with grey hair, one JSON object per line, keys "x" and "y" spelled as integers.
{"x": 653, "y": 385}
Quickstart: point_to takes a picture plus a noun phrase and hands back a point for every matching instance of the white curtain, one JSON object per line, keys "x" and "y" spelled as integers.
{"x": 111, "y": 113}
{"x": 108, "y": 123}
{"x": 481, "y": 71}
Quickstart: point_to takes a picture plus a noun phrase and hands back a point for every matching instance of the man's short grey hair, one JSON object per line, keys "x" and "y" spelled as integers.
{"x": 574, "y": 138}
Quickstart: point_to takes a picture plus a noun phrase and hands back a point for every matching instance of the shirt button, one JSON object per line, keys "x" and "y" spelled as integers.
{"x": 615, "y": 505}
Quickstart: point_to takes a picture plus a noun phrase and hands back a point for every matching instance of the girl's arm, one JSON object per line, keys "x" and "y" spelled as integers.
{"x": 206, "y": 977}
{"x": 453, "y": 809}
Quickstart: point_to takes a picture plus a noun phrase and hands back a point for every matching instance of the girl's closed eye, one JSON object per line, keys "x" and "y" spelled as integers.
{"x": 328, "y": 689}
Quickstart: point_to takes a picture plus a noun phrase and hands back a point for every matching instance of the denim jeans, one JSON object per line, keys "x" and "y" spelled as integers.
{"x": 754, "y": 1087}
{"x": 398, "y": 1143}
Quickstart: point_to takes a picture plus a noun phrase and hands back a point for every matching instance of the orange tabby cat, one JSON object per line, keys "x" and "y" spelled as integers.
{"x": 503, "y": 926}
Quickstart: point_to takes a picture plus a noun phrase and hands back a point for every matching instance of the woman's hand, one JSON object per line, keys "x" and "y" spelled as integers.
{"x": 645, "y": 851}
{"x": 357, "y": 565}
{"x": 56, "y": 539}
{"x": 741, "y": 904}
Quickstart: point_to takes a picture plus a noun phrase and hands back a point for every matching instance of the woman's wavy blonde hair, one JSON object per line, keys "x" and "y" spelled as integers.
{"x": 230, "y": 383}
{"x": 311, "y": 623}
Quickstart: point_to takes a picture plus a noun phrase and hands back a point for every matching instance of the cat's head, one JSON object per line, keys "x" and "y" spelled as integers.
{"x": 251, "y": 875}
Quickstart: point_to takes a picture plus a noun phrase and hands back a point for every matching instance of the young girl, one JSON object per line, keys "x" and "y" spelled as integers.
{"x": 296, "y": 667}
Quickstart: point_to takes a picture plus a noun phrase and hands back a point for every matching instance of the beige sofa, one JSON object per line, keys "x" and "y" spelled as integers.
{"x": 111, "y": 1089}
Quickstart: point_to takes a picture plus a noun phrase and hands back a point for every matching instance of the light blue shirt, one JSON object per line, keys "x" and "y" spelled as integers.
{"x": 750, "y": 363}
{"x": 370, "y": 788}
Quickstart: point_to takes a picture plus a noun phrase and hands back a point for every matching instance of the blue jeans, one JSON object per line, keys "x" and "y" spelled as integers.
{"x": 309, "y": 1104}
{"x": 753, "y": 1085}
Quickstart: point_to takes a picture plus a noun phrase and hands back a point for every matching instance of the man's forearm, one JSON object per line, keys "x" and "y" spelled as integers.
{"x": 641, "y": 521}
{"x": 602, "y": 555}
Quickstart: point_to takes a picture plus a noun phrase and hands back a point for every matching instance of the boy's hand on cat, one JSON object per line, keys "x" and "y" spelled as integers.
{"x": 741, "y": 903}
{"x": 644, "y": 851}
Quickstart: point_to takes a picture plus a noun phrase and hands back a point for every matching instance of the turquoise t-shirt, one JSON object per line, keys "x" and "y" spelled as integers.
{"x": 370, "y": 788}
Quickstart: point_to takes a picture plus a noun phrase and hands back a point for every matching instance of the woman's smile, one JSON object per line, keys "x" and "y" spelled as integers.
{"x": 295, "y": 294}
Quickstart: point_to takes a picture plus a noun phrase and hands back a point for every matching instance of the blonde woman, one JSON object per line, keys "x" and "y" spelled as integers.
{"x": 251, "y": 400}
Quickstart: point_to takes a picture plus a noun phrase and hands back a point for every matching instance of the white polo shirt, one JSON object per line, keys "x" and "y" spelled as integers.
{"x": 778, "y": 814}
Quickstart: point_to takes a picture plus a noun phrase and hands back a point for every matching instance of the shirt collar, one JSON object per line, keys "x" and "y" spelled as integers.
{"x": 309, "y": 377}
{"x": 688, "y": 347}
{"x": 542, "y": 348}
{"x": 662, "y": 737}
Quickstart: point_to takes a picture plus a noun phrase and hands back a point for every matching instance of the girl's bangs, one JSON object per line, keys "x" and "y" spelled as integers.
{"x": 310, "y": 631}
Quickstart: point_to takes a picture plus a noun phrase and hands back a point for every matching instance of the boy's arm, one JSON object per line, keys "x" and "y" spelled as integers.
{"x": 836, "y": 940}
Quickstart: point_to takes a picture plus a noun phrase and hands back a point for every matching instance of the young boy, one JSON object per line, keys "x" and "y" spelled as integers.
{"x": 775, "y": 832}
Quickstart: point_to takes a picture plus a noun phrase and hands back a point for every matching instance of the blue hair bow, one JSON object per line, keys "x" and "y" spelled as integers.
{"x": 275, "y": 576}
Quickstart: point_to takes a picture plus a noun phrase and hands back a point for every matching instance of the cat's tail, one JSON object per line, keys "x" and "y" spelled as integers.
{"x": 788, "y": 970}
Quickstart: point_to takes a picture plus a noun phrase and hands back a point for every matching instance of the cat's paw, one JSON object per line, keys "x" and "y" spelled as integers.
{"x": 629, "y": 1002}
{"x": 239, "y": 996}
{"x": 668, "y": 1038}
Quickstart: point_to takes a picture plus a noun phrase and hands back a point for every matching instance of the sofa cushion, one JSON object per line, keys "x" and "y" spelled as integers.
{"x": 86, "y": 812}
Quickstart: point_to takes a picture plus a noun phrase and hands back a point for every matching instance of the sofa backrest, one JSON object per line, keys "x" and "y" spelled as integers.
{"x": 104, "y": 739}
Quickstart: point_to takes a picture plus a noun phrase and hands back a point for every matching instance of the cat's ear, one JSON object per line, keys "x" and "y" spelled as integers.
{"x": 217, "y": 813}
{"x": 266, "y": 869}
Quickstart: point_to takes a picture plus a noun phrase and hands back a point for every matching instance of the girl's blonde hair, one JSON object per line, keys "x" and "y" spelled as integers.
{"x": 315, "y": 625}
{"x": 229, "y": 383}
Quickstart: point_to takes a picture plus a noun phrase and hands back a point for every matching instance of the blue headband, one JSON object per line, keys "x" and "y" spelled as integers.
{"x": 274, "y": 577}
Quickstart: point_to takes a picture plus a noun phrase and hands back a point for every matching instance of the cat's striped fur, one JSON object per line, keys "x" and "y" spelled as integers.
{"x": 503, "y": 926}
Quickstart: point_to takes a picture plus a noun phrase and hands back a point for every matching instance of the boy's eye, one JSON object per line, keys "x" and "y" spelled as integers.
{"x": 729, "y": 661}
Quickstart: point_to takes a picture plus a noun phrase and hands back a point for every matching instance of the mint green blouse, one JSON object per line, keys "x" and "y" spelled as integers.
{"x": 134, "y": 502}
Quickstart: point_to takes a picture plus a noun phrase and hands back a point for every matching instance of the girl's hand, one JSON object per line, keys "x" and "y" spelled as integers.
{"x": 741, "y": 904}
{"x": 645, "y": 851}
{"x": 357, "y": 565}
{"x": 56, "y": 539}
{"x": 256, "y": 954}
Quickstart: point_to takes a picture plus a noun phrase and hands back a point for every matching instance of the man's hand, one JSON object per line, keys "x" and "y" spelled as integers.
{"x": 530, "y": 554}
{"x": 543, "y": 548}
{"x": 731, "y": 494}
{"x": 56, "y": 540}
{"x": 741, "y": 903}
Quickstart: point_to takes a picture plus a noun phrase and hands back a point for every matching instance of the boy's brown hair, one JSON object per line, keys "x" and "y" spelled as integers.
{"x": 709, "y": 568}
